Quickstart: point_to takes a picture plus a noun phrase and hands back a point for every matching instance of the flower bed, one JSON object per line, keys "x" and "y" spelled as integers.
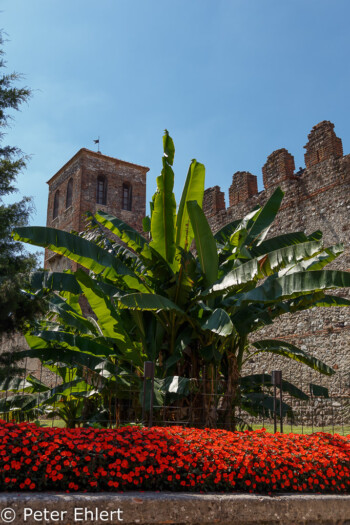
{"x": 175, "y": 459}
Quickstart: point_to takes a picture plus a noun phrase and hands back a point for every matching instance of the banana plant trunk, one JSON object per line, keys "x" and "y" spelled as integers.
{"x": 231, "y": 398}
{"x": 210, "y": 401}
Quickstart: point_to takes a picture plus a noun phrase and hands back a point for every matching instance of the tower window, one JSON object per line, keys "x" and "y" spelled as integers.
{"x": 56, "y": 203}
{"x": 101, "y": 197}
{"x": 69, "y": 195}
{"x": 127, "y": 196}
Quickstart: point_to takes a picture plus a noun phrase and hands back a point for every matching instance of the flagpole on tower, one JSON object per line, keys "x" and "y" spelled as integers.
{"x": 97, "y": 141}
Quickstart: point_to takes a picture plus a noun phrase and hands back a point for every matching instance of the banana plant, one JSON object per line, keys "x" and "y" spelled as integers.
{"x": 191, "y": 311}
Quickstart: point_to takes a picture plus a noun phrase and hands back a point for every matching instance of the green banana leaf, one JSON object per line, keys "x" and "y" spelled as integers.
{"x": 255, "y": 316}
{"x": 15, "y": 384}
{"x": 218, "y": 322}
{"x": 278, "y": 242}
{"x": 79, "y": 344}
{"x": 132, "y": 238}
{"x": 265, "y": 218}
{"x": 244, "y": 274}
{"x": 164, "y": 207}
{"x": 168, "y": 147}
{"x": 294, "y": 285}
{"x": 54, "y": 281}
{"x": 258, "y": 268}
{"x": 205, "y": 243}
{"x": 19, "y": 402}
{"x": 316, "y": 263}
{"x": 142, "y": 301}
{"x": 223, "y": 235}
{"x": 292, "y": 352}
{"x": 193, "y": 191}
{"x": 107, "y": 316}
{"x": 276, "y": 260}
{"x": 80, "y": 250}
{"x": 68, "y": 315}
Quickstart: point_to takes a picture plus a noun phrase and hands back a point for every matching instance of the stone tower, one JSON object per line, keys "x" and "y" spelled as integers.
{"x": 90, "y": 181}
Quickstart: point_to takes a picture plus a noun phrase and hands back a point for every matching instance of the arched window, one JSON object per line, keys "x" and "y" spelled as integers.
{"x": 101, "y": 194}
{"x": 127, "y": 196}
{"x": 56, "y": 204}
{"x": 69, "y": 195}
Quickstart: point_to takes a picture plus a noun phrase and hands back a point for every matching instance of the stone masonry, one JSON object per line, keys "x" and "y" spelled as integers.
{"x": 316, "y": 198}
{"x": 75, "y": 189}
{"x": 83, "y": 173}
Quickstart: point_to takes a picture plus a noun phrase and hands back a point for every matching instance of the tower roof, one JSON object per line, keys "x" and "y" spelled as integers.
{"x": 85, "y": 151}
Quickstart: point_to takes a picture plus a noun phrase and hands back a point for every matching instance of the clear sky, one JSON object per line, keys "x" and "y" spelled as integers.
{"x": 232, "y": 80}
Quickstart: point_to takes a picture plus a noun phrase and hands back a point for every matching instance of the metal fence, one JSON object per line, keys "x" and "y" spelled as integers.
{"x": 141, "y": 400}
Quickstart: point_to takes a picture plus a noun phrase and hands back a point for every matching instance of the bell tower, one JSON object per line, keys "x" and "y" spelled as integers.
{"x": 90, "y": 181}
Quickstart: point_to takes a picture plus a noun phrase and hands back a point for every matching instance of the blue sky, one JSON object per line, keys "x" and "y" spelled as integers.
{"x": 232, "y": 80}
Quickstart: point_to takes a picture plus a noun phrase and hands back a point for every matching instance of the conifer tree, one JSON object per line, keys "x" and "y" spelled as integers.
{"x": 16, "y": 308}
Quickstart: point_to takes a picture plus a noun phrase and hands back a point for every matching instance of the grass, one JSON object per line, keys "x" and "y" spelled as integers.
{"x": 343, "y": 430}
{"x": 299, "y": 429}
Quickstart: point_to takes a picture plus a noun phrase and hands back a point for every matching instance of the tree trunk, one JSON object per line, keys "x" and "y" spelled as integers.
{"x": 232, "y": 397}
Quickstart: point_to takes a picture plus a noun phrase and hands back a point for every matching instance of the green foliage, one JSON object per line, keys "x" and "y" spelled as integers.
{"x": 16, "y": 308}
{"x": 157, "y": 300}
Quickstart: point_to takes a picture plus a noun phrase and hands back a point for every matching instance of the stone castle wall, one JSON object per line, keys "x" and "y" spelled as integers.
{"x": 316, "y": 198}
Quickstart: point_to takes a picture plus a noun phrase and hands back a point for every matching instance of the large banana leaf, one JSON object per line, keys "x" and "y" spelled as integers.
{"x": 294, "y": 285}
{"x": 264, "y": 266}
{"x": 223, "y": 235}
{"x": 292, "y": 352}
{"x": 142, "y": 301}
{"x": 193, "y": 191}
{"x": 80, "y": 250}
{"x": 15, "y": 384}
{"x": 244, "y": 274}
{"x": 77, "y": 387}
{"x": 218, "y": 322}
{"x": 20, "y": 402}
{"x": 54, "y": 281}
{"x": 316, "y": 263}
{"x": 69, "y": 316}
{"x": 205, "y": 243}
{"x": 281, "y": 258}
{"x": 49, "y": 354}
{"x": 77, "y": 343}
{"x": 132, "y": 238}
{"x": 280, "y": 241}
{"x": 164, "y": 207}
{"x": 252, "y": 317}
{"x": 107, "y": 316}
{"x": 265, "y": 218}
{"x": 168, "y": 147}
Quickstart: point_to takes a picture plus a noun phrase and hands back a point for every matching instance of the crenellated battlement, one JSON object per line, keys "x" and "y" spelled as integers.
{"x": 323, "y": 144}
{"x": 315, "y": 198}
{"x": 214, "y": 201}
{"x": 323, "y": 150}
{"x": 244, "y": 185}
{"x": 279, "y": 167}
